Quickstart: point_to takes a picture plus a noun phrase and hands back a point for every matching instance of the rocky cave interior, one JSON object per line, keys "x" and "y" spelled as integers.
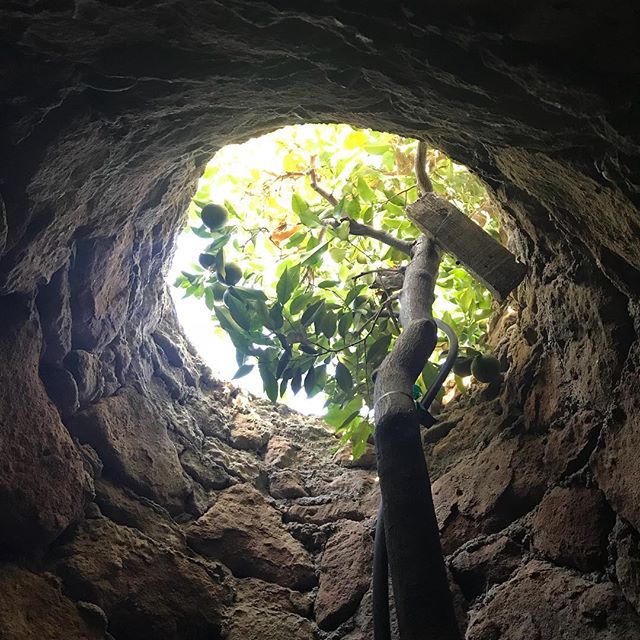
{"x": 140, "y": 498}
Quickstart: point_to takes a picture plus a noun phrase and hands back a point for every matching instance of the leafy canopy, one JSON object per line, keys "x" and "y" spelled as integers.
{"x": 315, "y": 306}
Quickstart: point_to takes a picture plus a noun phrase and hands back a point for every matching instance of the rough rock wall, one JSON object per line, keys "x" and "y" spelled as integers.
{"x": 141, "y": 497}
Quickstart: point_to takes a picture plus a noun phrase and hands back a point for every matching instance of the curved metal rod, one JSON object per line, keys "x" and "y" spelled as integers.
{"x": 445, "y": 369}
{"x": 381, "y": 617}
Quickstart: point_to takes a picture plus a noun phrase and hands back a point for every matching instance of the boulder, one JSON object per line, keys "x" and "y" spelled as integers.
{"x": 489, "y": 488}
{"x": 247, "y": 433}
{"x": 146, "y": 589}
{"x": 130, "y": 435}
{"x": 255, "y": 623}
{"x": 245, "y": 532}
{"x": 33, "y": 607}
{"x": 345, "y": 574}
{"x": 124, "y": 507}
{"x": 268, "y": 595}
{"x": 571, "y": 527}
{"x": 286, "y": 484}
{"x": 53, "y": 301}
{"x": 546, "y": 603}
{"x": 484, "y": 562}
{"x": 281, "y": 452}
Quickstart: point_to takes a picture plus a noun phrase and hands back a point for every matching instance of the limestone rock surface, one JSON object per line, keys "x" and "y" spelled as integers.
{"x": 33, "y": 606}
{"x": 43, "y": 483}
{"x": 242, "y": 530}
{"x": 345, "y": 569}
{"x": 130, "y": 436}
{"x": 547, "y": 602}
{"x": 146, "y": 589}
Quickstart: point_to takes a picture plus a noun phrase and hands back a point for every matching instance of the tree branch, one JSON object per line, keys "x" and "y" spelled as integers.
{"x": 424, "y": 182}
{"x": 329, "y": 197}
{"x": 417, "y": 297}
{"x": 359, "y": 229}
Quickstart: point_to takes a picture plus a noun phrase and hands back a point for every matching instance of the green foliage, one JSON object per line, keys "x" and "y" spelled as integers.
{"x": 309, "y": 304}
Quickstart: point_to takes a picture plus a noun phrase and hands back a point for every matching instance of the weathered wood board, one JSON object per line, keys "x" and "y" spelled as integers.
{"x": 482, "y": 256}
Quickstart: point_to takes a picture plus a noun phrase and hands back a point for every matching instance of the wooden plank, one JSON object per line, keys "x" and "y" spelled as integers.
{"x": 482, "y": 256}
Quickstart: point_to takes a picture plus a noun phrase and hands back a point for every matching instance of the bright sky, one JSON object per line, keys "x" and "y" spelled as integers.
{"x": 242, "y": 164}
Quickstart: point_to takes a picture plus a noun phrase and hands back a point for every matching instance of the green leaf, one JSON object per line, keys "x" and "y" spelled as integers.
{"x": 231, "y": 209}
{"x": 355, "y": 139}
{"x": 239, "y": 312}
{"x": 218, "y": 243}
{"x": 276, "y": 320}
{"x": 338, "y": 253}
{"x": 328, "y": 284}
{"x": 314, "y": 256}
{"x": 377, "y": 352}
{"x": 466, "y": 299}
{"x": 299, "y": 303}
{"x": 296, "y": 239}
{"x": 298, "y": 204}
{"x": 269, "y": 381}
{"x": 354, "y": 293}
{"x": 226, "y": 321}
{"x": 343, "y": 378}
{"x": 321, "y": 378}
{"x": 311, "y": 310}
{"x": 202, "y": 232}
{"x": 329, "y": 324}
{"x": 377, "y": 149}
{"x": 347, "y": 421}
{"x": 346, "y": 319}
{"x": 342, "y": 230}
{"x": 310, "y": 219}
{"x": 219, "y": 265}
{"x": 209, "y": 300}
{"x": 352, "y": 207}
{"x": 359, "y": 437}
{"x": 394, "y": 209}
{"x": 306, "y": 348}
{"x": 296, "y": 382}
{"x": 283, "y": 363}
{"x": 389, "y": 161}
{"x": 245, "y": 294}
{"x": 429, "y": 375}
{"x": 287, "y": 283}
{"x": 309, "y": 381}
{"x": 365, "y": 191}
{"x": 243, "y": 371}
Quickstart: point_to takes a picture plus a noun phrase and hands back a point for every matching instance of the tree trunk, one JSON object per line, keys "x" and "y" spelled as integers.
{"x": 418, "y": 574}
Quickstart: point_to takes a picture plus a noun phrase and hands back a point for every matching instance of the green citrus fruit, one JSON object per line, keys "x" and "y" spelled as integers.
{"x": 206, "y": 260}
{"x": 232, "y": 274}
{"x": 214, "y": 216}
{"x": 485, "y": 368}
{"x": 462, "y": 367}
